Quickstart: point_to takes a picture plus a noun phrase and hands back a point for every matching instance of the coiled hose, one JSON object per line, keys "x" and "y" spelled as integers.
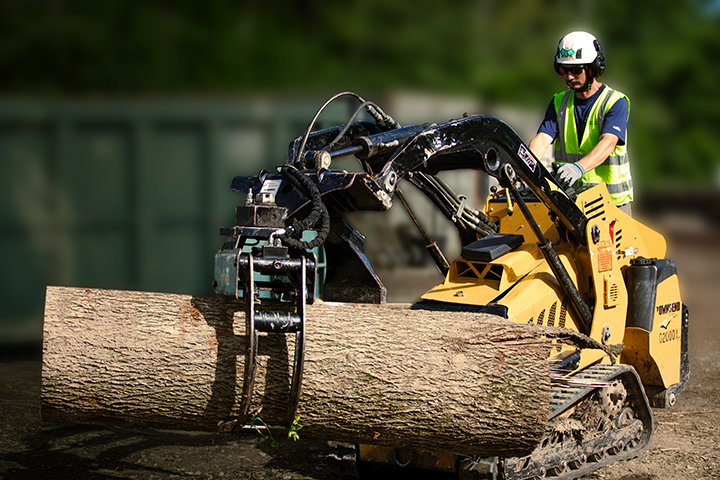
{"x": 318, "y": 212}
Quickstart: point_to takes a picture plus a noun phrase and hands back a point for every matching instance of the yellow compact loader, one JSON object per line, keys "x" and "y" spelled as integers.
{"x": 536, "y": 254}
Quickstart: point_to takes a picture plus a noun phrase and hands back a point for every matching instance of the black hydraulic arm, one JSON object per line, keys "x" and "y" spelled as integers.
{"x": 578, "y": 304}
{"x": 415, "y": 153}
{"x": 486, "y": 143}
{"x": 478, "y": 142}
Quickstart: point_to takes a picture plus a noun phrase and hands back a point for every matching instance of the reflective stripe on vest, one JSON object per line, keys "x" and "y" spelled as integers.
{"x": 615, "y": 170}
{"x": 614, "y": 188}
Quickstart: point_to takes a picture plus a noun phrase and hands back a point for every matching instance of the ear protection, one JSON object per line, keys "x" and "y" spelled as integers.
{"x": 596, "y": 68}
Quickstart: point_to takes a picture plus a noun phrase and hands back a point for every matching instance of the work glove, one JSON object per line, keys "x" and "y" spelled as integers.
{"x": 569, "y": 173}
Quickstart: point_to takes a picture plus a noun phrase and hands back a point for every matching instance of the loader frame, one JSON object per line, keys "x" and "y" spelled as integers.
{"x": 587, "y": 258}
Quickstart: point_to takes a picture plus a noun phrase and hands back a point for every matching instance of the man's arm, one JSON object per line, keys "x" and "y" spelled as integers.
{"x": 570, "y": 173}
{"x": 599, "y": 153}
{"x": 540, "y": 144}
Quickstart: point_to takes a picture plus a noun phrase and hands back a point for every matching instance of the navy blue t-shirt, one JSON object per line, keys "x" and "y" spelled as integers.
{"x": 615, "y": 120}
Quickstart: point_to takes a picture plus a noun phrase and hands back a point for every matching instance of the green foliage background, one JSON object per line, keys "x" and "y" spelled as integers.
{"x": 663, "y": 54}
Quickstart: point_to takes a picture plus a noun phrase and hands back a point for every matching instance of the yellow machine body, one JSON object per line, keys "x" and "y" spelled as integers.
{"x": 539, "y": 253}
{"x": 522, "y": 281}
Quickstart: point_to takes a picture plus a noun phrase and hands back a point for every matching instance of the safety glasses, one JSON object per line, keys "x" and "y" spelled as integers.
{"x": 573, "y": 69}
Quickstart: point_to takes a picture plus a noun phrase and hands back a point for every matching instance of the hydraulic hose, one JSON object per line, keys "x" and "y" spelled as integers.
{"x": 471, "y": 221}
{"x": 482, "y": 222}
{"x": 383, "y": 120}
{"x": 318, "y": 212}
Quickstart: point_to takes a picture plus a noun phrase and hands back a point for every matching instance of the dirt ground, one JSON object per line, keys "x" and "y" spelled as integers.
{"x": 685, "y": 445}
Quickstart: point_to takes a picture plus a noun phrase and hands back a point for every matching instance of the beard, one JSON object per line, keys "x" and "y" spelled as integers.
{"x": 578, "y": 86}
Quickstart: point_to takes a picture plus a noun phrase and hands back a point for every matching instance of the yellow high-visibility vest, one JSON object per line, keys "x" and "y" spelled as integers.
{"x": 615, "y": 170}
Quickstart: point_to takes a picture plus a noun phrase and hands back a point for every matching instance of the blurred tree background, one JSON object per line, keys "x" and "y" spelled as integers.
{"x": 663, "y": 54}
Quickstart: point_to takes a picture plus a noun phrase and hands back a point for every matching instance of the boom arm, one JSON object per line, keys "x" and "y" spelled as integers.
{"x": 480, "y": 142}
{"x": 489, "y": 144}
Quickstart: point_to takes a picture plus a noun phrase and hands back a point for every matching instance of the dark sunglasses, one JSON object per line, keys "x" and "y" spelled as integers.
{"x": 575, "y": 70}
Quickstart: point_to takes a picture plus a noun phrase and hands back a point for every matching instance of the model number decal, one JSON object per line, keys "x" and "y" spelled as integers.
{"x": 669, "y": 336}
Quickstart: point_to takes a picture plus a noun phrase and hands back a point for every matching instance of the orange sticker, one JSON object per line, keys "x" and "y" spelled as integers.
{"x": 604, "y": 256}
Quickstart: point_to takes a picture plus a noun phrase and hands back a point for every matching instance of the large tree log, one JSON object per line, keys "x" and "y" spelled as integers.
{"x": 464, "y": 382}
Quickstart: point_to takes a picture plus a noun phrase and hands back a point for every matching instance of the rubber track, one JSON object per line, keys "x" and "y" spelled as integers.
{"x": 605, "y": 446}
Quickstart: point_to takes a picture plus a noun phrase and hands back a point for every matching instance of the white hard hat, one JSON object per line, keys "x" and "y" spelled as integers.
{"x": 580, "y": 48}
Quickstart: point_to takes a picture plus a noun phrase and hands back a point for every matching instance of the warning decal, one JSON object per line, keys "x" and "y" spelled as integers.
{"x": 604, "y": 256}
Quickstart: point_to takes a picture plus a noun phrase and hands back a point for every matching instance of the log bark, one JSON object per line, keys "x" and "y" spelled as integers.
{"x": 463, "y": 382}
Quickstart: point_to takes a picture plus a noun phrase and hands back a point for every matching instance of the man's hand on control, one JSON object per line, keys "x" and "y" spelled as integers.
{"x": 569, "y": 173}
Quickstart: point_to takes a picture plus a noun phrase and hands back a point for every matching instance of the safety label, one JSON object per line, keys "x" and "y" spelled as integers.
{"x": 527, "y": 157}
{"x": 604, "y": 256}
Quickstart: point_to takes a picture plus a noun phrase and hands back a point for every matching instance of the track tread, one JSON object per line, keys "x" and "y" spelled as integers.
{"x": 565, "y": 397}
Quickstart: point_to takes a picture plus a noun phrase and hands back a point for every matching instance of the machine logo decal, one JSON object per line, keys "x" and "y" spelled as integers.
{"x": 527, "y": 157}
{"x": 668, "y": 335}
{"x": 669, "y": 308}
